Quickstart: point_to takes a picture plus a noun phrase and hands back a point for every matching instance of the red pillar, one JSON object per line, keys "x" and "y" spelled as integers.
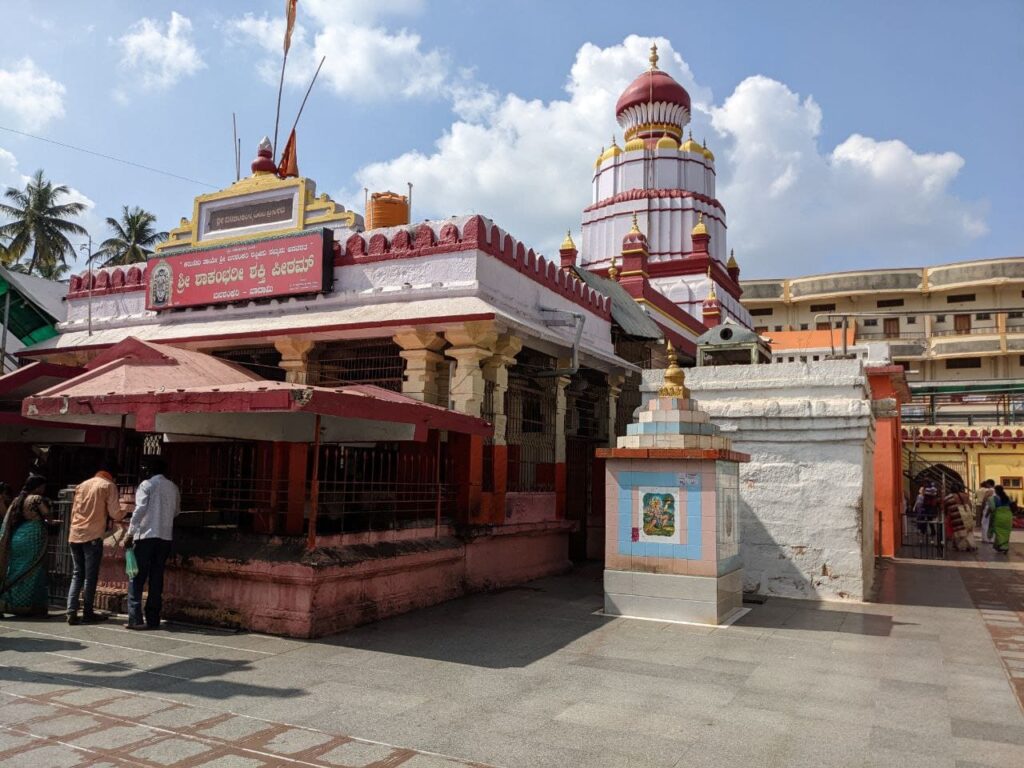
{"x": 468, "y": 458}
{"x": 888, "y": 383}
{"x": 296, "y": 513}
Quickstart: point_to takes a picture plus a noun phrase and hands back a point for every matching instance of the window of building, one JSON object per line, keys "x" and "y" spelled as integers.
{"x": 792, "y": 359}
{"x": 803, "y": 326}
{"x": 803, "y": 358}
{"x": 940, "y": 318}
{"x": 983, "y": 316}
{"x": 1015, "y": 315}
{"x": 1011, "y": 482}
{"x": 1021, "y": 361}
{"x": 839, "y": 323}
{"x": 958, "y": 297}
{"x": 889, "y": 303}
{"x": 911, "y": 321}
{"x": 815, "y": 358}
{"x": 963, "y": 362}
{"x": 823, "y": 326}
{"x": 760, "y": 311}
{"x": 760, "y": 329}
{"x": 823, "y": 307}
{"x": 778, "y": 328}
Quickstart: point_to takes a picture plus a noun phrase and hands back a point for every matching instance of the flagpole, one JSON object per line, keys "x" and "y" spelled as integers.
{"x": 303, "y": 105}
{"x": 280, "y": 87}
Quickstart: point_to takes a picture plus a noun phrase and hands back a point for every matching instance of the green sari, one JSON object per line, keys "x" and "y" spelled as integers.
{"x": 23, "y": 590}
{"x": 1001, "y": 524}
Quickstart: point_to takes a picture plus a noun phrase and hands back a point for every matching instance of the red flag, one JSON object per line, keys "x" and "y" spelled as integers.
{"x": 289, "y": 159}
{"x": 289, "y": 14}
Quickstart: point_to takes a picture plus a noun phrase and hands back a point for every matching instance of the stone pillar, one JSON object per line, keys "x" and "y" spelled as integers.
{"x": 615, "y": 381}
{"x": 295, "y": 358}
{"x": 472, "y": 343}
{"x": 495, "y": 371}
{"x": 423, "y": 362}
{"x": 561, "y": 383}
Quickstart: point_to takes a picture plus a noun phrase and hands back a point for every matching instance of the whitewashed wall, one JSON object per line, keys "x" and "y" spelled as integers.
{"x": 807, "y": 529}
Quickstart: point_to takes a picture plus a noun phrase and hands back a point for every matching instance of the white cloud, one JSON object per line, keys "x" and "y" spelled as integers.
{"x": 366, "y": 60}
{"x": 527, "y": 163}
{"x": 792, "y": 207}
{"x": 160, "y": 54}
{"x": 30, "y": 95}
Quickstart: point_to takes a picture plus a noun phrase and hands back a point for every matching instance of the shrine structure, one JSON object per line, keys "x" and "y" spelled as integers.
{"x": 294, "y": 367}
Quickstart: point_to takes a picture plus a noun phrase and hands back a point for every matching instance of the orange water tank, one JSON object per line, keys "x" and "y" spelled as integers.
{"x": 387, "y": 209}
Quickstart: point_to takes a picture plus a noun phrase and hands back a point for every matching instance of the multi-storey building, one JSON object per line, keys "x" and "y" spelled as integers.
{"x": 959, "y": 322}
{"x": 956, "y": 329}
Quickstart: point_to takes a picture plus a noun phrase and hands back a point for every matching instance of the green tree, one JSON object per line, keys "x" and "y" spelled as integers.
{"x": 40, "y": 224}
{"x": 134, "y": 237}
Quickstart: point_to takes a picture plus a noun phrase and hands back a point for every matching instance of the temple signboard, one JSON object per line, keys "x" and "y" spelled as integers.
{"x": 251, "y": 213}
{"x": 255, "y": 269}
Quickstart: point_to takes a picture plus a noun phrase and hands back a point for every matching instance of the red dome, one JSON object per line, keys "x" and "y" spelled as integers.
{"x": 653, "y": 86}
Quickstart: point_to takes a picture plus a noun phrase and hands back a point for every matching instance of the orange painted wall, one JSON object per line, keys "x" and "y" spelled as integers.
{"x": 888, "y": 382}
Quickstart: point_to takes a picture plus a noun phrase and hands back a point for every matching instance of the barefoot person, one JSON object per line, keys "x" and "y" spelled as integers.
{"x": 94, "y": 507}
{"x": 157, "y": 503}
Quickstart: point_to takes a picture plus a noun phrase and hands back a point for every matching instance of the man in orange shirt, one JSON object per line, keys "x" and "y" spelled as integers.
{"x": 95, "y": 504}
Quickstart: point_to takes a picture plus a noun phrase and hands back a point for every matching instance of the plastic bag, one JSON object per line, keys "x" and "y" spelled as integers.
{"x": 131, "y": 565}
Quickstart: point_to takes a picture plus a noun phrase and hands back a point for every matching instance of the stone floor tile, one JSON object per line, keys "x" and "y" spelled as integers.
{"x": 234, "y": 729}
{"x": 295, "y": 740}
{"x": 356, "y": 754}
{"x": 48, "y": 756}
{"x": 63, "y": 725}
{"x": 234, "y": 761}
{"x": 171, "y": 750}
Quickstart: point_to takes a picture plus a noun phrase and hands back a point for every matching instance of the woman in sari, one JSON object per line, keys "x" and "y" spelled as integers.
{"x": 1000, "y": 520}
{"x": 23, "y": 590}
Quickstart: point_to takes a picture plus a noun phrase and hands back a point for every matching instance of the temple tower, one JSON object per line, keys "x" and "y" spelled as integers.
{"x": 667, "y": 179}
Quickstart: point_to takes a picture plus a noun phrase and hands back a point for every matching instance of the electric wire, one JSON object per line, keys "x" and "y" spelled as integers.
{"x": 109, "y": 157}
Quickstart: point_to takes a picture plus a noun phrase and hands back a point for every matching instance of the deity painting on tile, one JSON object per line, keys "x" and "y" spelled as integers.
{"x": 659, "y": 515}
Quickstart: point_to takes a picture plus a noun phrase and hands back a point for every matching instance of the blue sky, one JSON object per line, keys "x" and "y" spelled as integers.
{"x": 847, "y": 135}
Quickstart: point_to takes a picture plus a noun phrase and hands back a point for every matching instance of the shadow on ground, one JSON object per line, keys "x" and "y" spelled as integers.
{"x": 506, "y": 628}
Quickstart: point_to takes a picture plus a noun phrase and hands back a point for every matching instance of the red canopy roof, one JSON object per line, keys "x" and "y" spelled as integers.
{"x": 158, "y": 388}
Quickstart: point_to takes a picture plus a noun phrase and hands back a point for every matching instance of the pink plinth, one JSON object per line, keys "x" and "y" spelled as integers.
{"x": 334, "y": 588}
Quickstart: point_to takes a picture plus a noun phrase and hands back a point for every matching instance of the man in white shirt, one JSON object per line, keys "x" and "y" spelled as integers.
{"x": 157, "y": 503}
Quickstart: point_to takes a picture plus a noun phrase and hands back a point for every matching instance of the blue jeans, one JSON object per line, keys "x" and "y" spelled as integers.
{"x": 151, "y": 555}
{"x": 86, "y": 558}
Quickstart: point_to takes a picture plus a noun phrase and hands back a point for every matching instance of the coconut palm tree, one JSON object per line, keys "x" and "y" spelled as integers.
{"x": 40, "y": 224}
{"x": 134, "y": 237}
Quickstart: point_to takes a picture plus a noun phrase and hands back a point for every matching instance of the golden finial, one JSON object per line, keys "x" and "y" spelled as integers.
{"x": 732, "y": 263}
{"x": 700, "y": 228}
{"x": 614, "y": 140}
{"x": 675, "y": 379}
{"x": 613, "y": 271}
{"x": 654, "y": 56}
{"x": 635, "y": 227}
{"x": 568, "y": 244}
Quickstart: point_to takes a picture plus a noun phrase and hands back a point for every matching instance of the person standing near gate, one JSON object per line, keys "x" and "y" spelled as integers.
{"x": 157, "y": 503}
{"x": 95, "y": 505}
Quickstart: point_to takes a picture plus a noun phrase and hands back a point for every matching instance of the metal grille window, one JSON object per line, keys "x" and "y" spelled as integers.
{"x": 263, "y": 361}
{"x": 374, "y": 361}
{"x": 530, "y": 431}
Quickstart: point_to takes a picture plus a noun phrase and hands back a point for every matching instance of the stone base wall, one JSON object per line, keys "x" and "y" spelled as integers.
{"x": 671, "y": 597}
{"x": 806, "y": 496}
{"x": 333, "y": 589}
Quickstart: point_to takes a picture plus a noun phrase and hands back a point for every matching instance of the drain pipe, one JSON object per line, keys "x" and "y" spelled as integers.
{"x": 559, "y": 318}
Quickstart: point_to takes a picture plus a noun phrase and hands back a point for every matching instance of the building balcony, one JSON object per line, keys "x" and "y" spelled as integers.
{"x": 988, "y": 329}
{"x": 877, "y": 335}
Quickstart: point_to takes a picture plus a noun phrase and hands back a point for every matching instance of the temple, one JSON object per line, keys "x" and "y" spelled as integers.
{"x": 664, "y": 181}
{"x": 366, "y": 414}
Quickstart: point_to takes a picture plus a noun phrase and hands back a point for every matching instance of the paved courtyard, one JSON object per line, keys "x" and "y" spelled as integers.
{"x": 928, "y": 675}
